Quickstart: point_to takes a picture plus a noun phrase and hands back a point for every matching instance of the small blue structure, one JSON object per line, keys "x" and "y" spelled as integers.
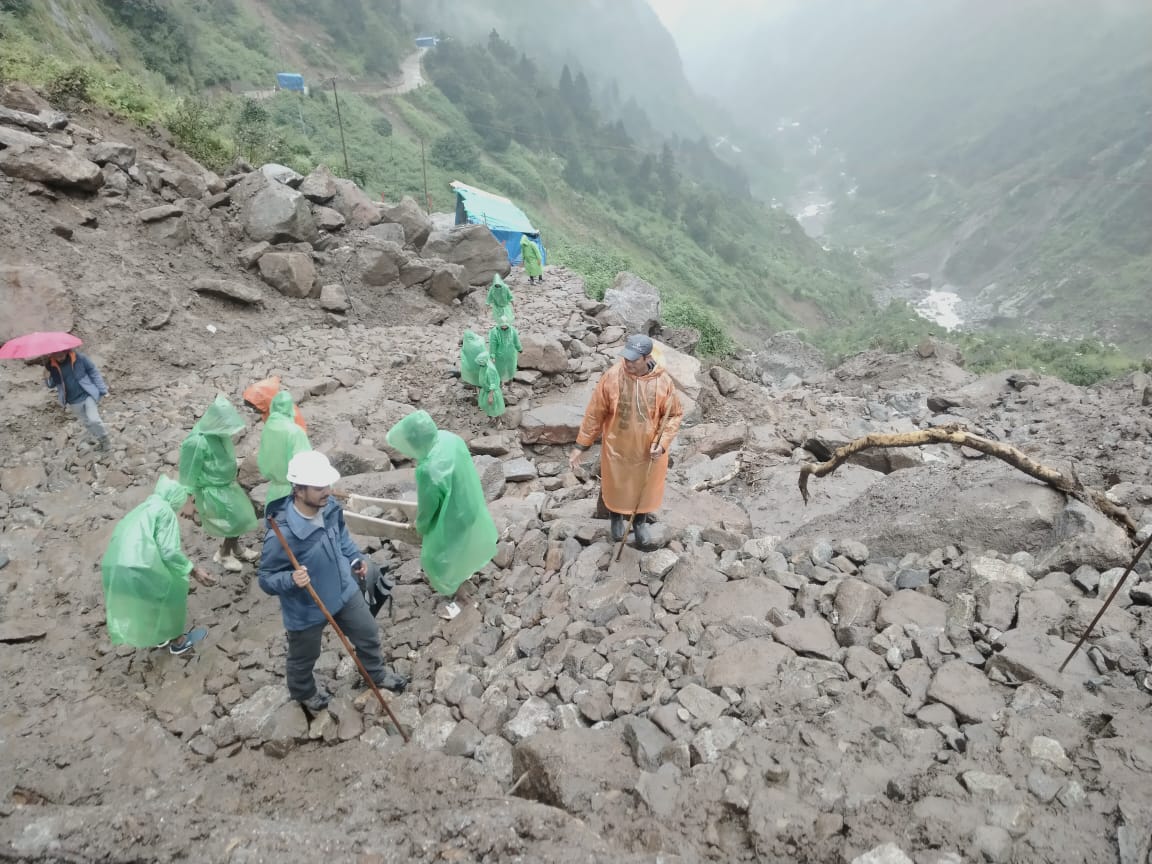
{"x": 427, "y": 41}
{"x": 504, "y": 219}
{"x": 290, "y": 81}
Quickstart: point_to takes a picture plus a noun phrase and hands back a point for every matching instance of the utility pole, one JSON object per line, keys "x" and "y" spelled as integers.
{"x": 340, "y": 121}
{"x": 424, "y": 168}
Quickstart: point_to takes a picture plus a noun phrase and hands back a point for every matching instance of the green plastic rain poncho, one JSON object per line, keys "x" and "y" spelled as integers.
{"x": 208, "y": 469}
{"x": 469, "y": 348}
{"x": 458, "y": 536}
{"x": 281, "y": 439}
{"x": 145, "y": 573}
{"x": 491, "y": 400}
{"x": 530, "y": 252}
{"x": 504, "y": 346}
{"x": 499, "y": 295}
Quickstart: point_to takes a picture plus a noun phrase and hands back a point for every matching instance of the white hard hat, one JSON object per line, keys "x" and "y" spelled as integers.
{"x": 311, "y": 468}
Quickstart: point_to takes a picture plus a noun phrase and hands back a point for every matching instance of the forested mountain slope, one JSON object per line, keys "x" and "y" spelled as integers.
{"x": 1002, "y": 147}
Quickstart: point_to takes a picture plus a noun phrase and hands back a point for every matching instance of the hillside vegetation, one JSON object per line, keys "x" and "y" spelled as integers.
{"x": 607, "y": 188}
{"x": 1004, "y": 148}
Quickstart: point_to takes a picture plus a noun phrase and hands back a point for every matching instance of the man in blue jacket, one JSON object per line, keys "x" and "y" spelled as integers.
{"x": 79, "y": 386}
{"x": 313, "y": 525}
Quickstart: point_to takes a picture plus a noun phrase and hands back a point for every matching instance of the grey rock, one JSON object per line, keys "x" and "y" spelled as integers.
{"x": 274, "y": 212}
{"x": 319, "y": 186}
{"x": 543, "y": 353}
{"x": 660, "y": 790}
{"x": 123, "y": 156}
{"x": 52, "y": 166}
{"x": 750, "y": 663}
{"x": 520, "y": 470}
{"x": 646, "y": 741}
{"x": 241, "y": 292}
{"x": 887, "y": 853}
{"x": 636, "y": 302}
{"x": 474, "y": 247}
{"x": 380, "y": 264}
{"x": 414, "y": 222}
{"x": 809, "y": 636}
{"x": 447, "y": 283}
{"x": 532, "y": 717}
{"x": 701, "y": 703}
{"x": 334, "y": 298}
{"x": 966, "y": 691}
{"x": 251, "y": 715}
{"x": 291, "y": 273}
{"x": 993, "y": 843}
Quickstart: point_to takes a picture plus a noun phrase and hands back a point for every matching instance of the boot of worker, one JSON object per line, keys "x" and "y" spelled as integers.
{"x": 642, "y": 531}
{"x": 618, "y": 526}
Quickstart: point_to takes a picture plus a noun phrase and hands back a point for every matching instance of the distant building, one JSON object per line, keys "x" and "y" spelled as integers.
{"x": 427, "y": 41}
{"x": 290, "y": 81}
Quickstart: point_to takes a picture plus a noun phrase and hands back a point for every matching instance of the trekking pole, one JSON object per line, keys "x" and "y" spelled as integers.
{"x": 643, "y": 489}
{"x": 1119, "y": 584}
{"x": 347, "y": 645}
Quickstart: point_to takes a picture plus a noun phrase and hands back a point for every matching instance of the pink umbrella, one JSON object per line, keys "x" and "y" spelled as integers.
{"x": 37, "y": 345}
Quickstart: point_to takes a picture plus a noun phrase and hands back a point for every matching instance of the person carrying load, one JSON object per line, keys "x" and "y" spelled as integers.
{"x": 457, "y": 534}
{"x": 145, "y": 575}
{"x": 280, "y": 440}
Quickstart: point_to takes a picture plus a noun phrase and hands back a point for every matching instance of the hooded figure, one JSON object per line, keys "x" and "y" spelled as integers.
{"x": 504, "y": 346}
{"x": 499, "y": 295}
{"x": 491, "y": 400}
{"x": 458, "y": 536}
{"x": 469, "y": 348}
{"x": 208, "y": 469}
{"x": 281, "y": 439}
{"x": 260, "y": 395}
{"x": 145, "y": 572}
{"x": 533, "y": 263}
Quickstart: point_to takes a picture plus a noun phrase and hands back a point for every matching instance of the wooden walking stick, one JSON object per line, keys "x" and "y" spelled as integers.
{"x": 1119, "y": 584}
{"x": 643, "y": 488}
{"x": 347, "y": 645}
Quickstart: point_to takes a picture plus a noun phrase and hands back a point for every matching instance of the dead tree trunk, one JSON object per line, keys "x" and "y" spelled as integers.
{"x": 961, "y": 437}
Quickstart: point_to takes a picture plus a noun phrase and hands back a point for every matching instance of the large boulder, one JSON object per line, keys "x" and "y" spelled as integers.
{"x": 543, "y": 353}
{"x": 351, "y": 202}
{"x": 319, "y": 187}
{"x": 123, "y": 156}
{"x": 291, "y": 273}
{"x": 985, "y": 506}
{"x": 53, "y": 166}
{"x": 241, "y": 292}
{"x": 682, "y": 368}
{"x": 33, "y": 299}
{"x": 636, "y": 302}
{"x": 274, "y": 212}
{"x": 555, "y": 423}
{"x": 447, "y": 283}
{"x": 415, "y": 222}
{"x": 474, "y": 247}
{"x": 380, "y": 264}
{"x": 387, "y": 232}
{"x": 573, "y": 769}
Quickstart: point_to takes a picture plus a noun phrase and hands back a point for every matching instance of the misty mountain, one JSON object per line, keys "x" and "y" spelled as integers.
{"x": 1003, "y": 148}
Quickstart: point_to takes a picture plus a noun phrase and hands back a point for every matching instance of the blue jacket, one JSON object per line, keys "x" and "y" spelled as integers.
{"x": 327, "y": 552}
{"x": 91, "y": 381}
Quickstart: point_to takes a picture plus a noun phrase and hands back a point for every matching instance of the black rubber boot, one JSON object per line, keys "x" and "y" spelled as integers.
{"x": 619, "y": 526}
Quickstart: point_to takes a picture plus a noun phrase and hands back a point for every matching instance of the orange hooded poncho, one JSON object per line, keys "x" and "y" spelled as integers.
{"x": 259, "y": 396}
{"x": 627, "y": 412}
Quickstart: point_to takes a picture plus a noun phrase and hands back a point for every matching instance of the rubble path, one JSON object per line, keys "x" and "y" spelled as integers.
{"x": 763, "y": 686}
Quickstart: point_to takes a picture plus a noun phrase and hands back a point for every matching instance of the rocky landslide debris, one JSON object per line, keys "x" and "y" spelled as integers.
{"x": 869, "y": 679}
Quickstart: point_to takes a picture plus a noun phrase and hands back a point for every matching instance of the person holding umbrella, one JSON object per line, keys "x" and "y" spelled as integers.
{"x": 78, "y": 383}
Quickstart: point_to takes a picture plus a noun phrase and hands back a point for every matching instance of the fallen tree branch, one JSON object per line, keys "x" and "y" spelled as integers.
{"x": 958, "y": 436}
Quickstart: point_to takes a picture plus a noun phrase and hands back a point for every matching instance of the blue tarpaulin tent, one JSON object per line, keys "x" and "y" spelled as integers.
{"x": 290, "y": 81}
{"x": 426, "y": 41}
{"x": 504, "y": 219}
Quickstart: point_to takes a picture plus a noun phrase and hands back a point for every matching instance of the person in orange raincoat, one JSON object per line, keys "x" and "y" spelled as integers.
{"x": 636, "y": 411}
{"x": 259, "y": 396}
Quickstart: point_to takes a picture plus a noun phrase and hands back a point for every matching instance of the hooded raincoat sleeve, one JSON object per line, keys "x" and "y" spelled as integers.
{"x": 144, "y": 571}
{"x": 280, "y": 440}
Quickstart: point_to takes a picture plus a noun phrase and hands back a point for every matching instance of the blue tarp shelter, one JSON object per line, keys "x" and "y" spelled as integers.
{"x": 504, "y": 219}
{"x": 426, "y": 41}
{"x": 290, "y": 81}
